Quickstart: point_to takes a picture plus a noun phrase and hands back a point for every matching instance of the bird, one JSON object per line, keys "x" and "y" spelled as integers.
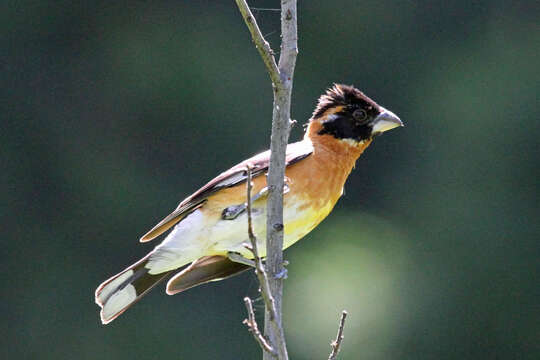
{"x": 208, "y": 230}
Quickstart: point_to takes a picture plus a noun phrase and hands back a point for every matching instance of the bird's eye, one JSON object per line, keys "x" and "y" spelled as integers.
{"x": 360, "y": 115}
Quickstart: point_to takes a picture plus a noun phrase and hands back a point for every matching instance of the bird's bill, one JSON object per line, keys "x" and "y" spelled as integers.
{"x": 385, "y": 121}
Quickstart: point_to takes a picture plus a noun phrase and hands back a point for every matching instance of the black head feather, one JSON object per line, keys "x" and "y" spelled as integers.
{"x": 342, "y": 95}
{"x": 354, "y": 120}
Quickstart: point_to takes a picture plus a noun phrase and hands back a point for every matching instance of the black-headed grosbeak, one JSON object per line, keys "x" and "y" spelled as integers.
{"x": 210, "y": 226}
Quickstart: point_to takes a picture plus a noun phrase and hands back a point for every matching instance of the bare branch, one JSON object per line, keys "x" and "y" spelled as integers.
{"x": 276, "y": 173}
{"x": 336, "y": 344}
{"x": 281, "y": 75}
{"x": 251, "y": 323}
{"x": 261, "y": 44}
{"x": 259, "y": 267}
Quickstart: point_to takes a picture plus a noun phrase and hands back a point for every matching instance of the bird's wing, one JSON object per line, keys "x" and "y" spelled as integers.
{"x": 232, "y": 177}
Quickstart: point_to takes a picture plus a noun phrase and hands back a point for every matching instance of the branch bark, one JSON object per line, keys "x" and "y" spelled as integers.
{"x": 281, "y": 76}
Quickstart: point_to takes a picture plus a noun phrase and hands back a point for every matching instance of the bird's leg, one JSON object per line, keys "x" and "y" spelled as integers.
{"x": 239, "y": 258}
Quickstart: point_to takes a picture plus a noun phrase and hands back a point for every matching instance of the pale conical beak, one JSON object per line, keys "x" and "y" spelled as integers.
{"x": 385, "y": 121}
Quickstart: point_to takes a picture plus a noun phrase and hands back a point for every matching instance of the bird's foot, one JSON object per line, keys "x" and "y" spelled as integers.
{"x": 233, "y": 211}
{"x": 239, "y": 258}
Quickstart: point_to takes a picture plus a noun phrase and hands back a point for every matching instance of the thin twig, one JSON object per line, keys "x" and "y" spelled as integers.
{"x": 260, "y": 43}
{"x": 261, "y": 275}
{"x": 336, "y": 344}
{"x": 259, "y": 267}
{"x": 251, "y": 323}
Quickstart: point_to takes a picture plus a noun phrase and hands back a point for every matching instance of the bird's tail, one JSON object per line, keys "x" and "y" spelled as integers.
{"x": 118, "y": 293}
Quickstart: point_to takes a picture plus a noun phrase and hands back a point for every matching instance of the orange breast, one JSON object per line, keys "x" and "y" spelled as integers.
{"x": 321, "y": 177}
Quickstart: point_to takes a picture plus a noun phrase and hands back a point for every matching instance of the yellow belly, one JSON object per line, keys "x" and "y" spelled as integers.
{"x": 300, "y": 217}
{"x": 301, "y": 225}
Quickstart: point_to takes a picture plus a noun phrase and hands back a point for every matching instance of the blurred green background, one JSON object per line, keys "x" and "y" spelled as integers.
{"x": 113, "y": 112}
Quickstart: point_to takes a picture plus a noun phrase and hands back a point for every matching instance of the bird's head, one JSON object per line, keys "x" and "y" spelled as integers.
{"x": 347, "y": 114}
